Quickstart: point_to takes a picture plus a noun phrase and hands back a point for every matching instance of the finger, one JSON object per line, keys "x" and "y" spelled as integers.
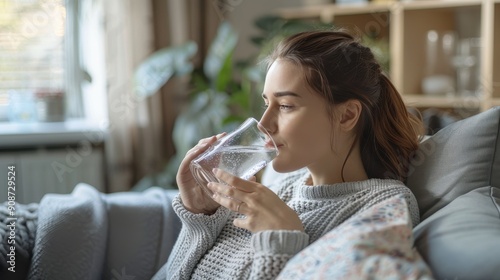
{"x": 252, "y": 179}
{"x": 226, "y": 191}
{"x": 220, "y": 135}
{"x": 232, "y": 180}
{"x": 204, "y": 143}
{"x": 228, "y": 202}
{"x": 212, "y": 138}
{"x": 194, "y": 152}
{"x": 242, "y": 222}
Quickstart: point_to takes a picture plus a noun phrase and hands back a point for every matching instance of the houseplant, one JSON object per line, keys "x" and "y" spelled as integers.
{"x": 207, "y": 112}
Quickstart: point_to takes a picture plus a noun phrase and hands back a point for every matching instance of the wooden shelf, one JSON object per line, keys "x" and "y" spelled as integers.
{"x": 318, "y": 11}
{"x": 405, "y": 25}
{"x": 330, "y": 10}
{"x": 428, "y": 4}
{"x": 423, "y": 101}
{"x": 495, "y": 56}
{"x": 303, "y": 12}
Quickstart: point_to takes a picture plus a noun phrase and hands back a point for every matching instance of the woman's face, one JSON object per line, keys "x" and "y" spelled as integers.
{"x": 297, "y": 119}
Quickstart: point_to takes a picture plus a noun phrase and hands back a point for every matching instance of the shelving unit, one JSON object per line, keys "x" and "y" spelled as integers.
{"x": 405, "y": 25}
{"x": 496, "y": 55}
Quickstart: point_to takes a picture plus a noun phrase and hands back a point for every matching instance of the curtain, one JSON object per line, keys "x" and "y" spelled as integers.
{"x": 139, "y": 131}
{"x": 177, "y": 21}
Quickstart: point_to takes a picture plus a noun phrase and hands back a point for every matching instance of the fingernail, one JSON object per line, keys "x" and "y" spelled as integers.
{"x": 215, "y": 170}
{"x": 210, "y": 185}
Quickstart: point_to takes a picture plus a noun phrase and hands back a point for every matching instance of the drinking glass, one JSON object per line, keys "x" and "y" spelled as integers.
{"x": 439, "y": 76}
{"x": 468, "y": 65}
{"x": 242, "y": 153}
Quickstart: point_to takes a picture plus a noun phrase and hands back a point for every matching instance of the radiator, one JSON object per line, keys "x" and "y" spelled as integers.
{"x": 38, "y": 172}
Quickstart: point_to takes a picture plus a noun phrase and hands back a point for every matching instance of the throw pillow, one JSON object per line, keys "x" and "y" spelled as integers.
{"x": 374, "y": 244}
{"x": 457, "y": 159}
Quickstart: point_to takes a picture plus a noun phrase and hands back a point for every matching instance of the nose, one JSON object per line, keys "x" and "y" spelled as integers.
{"x": 268, "y": 122}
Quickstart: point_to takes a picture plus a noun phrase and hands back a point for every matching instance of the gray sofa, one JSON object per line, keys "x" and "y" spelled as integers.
{"x": 456, "y": 180}
{"x": 455, "y": 177}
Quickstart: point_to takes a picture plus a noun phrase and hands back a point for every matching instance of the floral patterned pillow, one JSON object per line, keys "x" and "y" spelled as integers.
{"x": 374, "y": 244}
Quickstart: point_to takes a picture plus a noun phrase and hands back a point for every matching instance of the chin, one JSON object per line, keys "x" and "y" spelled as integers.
{"x": 283, "y": 168}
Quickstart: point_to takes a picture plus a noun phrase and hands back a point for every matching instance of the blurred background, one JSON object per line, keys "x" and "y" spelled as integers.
{"x": 114, "y": 92}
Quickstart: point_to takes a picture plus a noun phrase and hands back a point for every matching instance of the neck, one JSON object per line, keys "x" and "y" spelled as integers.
{"x": 327, "y": 173}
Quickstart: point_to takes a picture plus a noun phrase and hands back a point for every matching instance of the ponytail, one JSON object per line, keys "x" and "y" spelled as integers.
{"x": 392, "y": 137}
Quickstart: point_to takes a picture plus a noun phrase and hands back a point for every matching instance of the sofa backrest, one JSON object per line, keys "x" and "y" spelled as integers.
{"x": 456, "y": 160}
{"x": 456, "y": 180}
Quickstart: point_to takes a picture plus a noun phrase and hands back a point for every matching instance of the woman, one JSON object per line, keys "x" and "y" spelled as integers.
{"x": 344, "y": 135}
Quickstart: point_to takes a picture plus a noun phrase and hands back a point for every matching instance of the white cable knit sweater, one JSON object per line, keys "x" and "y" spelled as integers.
{"x": 211, "y": 247}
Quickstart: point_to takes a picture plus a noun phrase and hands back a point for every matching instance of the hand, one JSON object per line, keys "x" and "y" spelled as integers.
{"x": 193, "y": 197}
{"x": 263, "y": 209}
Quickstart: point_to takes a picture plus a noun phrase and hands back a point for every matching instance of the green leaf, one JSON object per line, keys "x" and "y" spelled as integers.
{"x": 222, "y": 47}
{"x": 225, "y": 75}
{"x": 268, "y": 23}
{"x": 258, "y": 40}
{"x": 240, "y": 98}
{"x": 199, "y": 82}
{"x": 233, "y": 121}
{"x": 159, "y": 67}
{"x": 203, "y": 118}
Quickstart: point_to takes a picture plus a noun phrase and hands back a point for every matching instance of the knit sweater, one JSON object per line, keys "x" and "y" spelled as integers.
{"x": 211, "y": 247}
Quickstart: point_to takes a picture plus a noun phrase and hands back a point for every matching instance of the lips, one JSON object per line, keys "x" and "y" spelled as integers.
{"x": 269, "y": 145}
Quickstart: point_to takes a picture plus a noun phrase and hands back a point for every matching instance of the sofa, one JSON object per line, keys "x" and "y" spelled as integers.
{"x": 455, "y": 177}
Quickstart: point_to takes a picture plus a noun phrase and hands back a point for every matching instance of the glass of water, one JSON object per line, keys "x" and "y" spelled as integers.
{"x": 242, "y": 153}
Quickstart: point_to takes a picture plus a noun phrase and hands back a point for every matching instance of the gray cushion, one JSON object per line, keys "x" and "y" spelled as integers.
{"x": 457, "y": 159}
{"x": 462, "y": 240}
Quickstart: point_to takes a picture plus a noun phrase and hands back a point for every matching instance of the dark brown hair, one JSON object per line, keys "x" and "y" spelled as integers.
{"x": 339, "y": 68}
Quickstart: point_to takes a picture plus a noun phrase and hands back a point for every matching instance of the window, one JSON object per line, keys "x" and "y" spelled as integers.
{"x": 38, "y": 55}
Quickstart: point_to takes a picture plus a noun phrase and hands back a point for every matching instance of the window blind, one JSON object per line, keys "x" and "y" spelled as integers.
{"x": 32, "y": 46}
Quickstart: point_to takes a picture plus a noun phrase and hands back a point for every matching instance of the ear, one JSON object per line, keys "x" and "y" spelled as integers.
{"x": 350, "y": 113}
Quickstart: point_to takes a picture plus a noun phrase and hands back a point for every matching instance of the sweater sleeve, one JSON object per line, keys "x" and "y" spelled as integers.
{"x": 273, "y": 249}
{"x": 198, "y": 234}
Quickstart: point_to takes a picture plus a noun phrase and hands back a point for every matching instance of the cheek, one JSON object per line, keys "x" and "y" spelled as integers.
{"x": 310, "y": 136}
{"x": 303, "y": 149}
{"x": 307, "y": 141}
